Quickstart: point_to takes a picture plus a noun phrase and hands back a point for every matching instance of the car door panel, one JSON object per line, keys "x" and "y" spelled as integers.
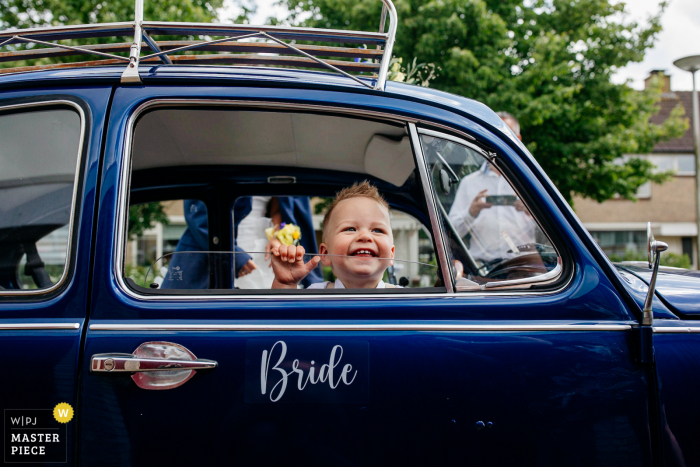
{"x": 552, "y": 376}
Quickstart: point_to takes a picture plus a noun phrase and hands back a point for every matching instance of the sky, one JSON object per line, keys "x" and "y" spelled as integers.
{"x": 680, "y": 37}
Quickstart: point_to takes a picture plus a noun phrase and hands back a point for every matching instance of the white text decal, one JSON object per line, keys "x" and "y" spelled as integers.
{"x": 325, "y": 373}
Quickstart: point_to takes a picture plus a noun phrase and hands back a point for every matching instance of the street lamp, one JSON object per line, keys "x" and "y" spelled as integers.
{"x": 692, "y": 64}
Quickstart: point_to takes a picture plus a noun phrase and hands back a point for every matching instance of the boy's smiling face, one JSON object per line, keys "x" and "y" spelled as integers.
{"x": 358, "y": 227}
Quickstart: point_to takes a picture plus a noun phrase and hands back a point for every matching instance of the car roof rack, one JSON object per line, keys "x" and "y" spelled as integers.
{"x": 373, "y": 63}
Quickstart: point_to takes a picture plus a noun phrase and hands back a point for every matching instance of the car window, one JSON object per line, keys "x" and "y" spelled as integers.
{"x": 242, "y": 180}
{"x": 493, "y": 237}
{"x": 39, "y": 154}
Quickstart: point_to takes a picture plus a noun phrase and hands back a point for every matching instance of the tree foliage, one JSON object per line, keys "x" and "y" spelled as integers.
{"x": 36, "y": 13}
{"x": 145, "y": 216}
{"x": 549, "y": 63}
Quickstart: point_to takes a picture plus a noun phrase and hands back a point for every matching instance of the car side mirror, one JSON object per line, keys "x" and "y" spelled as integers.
{"x": 654, "y": 249}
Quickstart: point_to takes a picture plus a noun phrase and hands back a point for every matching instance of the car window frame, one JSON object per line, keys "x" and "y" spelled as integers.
{"x": 411, "y": 123}
{"x": 124, "y": 188}
{"x": 70, "y": 253}
{"x": 550, "y": 277}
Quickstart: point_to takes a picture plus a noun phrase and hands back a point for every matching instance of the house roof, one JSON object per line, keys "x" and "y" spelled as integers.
{"x": 668, "y": 102}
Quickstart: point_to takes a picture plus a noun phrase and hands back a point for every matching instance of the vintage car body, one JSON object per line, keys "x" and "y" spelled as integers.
{"x": 564, "y": 375}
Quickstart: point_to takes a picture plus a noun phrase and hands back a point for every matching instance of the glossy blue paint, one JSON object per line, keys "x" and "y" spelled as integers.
{"x": 638, "y": 290}
{"x": 553, "y": 399}
{"x": 40, "y": 367}
{"x": 678, "y": 364}
{"x": 677, "y": 287}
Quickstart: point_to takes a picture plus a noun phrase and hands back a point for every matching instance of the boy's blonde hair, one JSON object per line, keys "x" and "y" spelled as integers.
{"x": 362, "y": 189}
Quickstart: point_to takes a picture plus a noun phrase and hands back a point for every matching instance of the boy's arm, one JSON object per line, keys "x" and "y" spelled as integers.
{"x": 289, "y": 267}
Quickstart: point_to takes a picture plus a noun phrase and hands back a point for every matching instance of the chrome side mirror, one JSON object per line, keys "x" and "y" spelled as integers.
{"x": 654, "y": 249}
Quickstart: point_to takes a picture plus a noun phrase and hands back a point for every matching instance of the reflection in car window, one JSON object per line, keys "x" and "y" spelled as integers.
{"x": 493, "y": 236}
{"x": 38, "y": 160}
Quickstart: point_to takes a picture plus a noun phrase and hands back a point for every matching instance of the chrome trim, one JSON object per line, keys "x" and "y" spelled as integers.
{"x": 164, "y": 53}
{"x": 76, "y": 180}
{"x": 675, "y": 329}
{"x": 79, "y": 28}
{"x": 215, "y": 29}
{"x": 74, "y": 49}
{"x": 548, "y": 276}
{"x": 447, "y": 128}
{"x": 388, "y": 45}
{"x": 131, "y": 72}
{"x": 118, "y": 253}
{"x": 324, "y": 63}
{"x": 128, "y": 363}
{"x": 432, "y": 209}
{"x": 37, "y": 326}
{"x": 454, "y": 139}
{"x": 360, "y": 327}
{"x": 654, "y": 250}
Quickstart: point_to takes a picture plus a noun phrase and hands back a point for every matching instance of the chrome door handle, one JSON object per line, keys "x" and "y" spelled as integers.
{"x": 153, "y": 365}
{"x": 119, "y": 362}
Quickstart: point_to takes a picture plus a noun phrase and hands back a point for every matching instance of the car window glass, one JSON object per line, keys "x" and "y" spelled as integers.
{"x": 39, "y": 153}
{"x": 492, "y": 234}
{"x": 159, "y": 229}
{"x": 228, "y": 158}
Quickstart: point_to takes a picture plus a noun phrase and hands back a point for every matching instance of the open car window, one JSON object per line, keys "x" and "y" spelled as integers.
{"x": 493, "y": 238}
{"x": 39, "y": 154}
{"x": 242, "y": 179}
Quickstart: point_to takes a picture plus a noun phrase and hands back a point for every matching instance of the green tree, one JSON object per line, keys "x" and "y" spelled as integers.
{"x": 36, "y": 13}
{"x": 144, "y": 216}
{"x": 548, "y": 62}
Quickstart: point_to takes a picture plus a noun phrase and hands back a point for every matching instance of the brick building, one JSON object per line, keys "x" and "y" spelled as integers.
{"x": 620, "y": 225}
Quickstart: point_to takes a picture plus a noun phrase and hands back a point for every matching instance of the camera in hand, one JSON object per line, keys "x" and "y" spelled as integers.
{"x": 502, "y": 200}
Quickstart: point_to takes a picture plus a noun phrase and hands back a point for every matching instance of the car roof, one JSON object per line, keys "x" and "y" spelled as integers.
{"x": 302, "y": 78}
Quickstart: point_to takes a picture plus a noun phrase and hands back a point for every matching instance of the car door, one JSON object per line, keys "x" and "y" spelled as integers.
{"x": 50, "y": 143}
{"x": 456, "y": 376}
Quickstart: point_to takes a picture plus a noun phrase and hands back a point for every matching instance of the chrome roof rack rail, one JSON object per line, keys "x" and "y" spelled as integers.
{"x": 280, "y": 41}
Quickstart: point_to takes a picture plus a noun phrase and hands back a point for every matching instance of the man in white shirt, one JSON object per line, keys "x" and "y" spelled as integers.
{"x": 496, "y": 230}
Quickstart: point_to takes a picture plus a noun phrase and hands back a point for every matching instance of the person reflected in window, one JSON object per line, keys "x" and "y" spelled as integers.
{"x": 487, "y": 208}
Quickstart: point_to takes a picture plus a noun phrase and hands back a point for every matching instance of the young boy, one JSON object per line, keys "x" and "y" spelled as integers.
{"x": 356, "y": 233}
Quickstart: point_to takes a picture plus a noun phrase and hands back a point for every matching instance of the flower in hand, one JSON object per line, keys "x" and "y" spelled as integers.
{"x": 289, "y": 267}
{"x": 287, "y": 234}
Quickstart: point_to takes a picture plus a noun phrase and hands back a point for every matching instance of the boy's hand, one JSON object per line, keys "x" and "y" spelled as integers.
{"x": 288, "y": 266}
{"x": 271, "y": 243}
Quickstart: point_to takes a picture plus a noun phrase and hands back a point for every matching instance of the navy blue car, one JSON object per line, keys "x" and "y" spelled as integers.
{"x": 511, "y": 339}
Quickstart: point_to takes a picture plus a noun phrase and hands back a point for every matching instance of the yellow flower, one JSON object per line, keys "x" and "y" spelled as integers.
{"x": 287, "y": 235}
